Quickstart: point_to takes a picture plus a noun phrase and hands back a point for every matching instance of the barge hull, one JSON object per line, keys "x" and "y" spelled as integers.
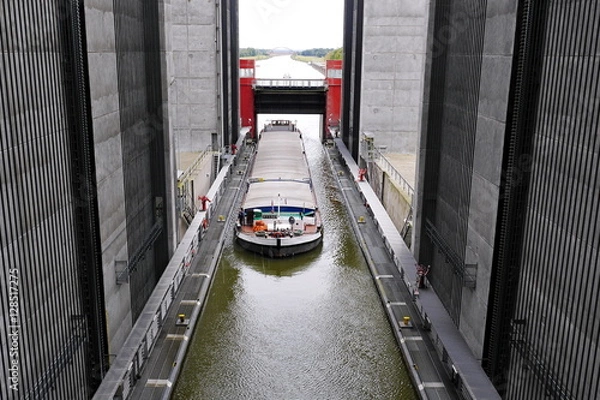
{"x": 279, "y": 216}
{"x": 279, "y": 247}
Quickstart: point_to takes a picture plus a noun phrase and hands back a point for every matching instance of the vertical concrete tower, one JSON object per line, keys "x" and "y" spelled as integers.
{"x": 52, "y": 306}
{"x": 507, "y": 211}
{"x": 394, "y": 37}
{"x": 92, "y": 93}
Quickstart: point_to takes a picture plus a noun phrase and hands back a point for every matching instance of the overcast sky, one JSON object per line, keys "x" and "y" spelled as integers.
{"x": 297, "y": 24}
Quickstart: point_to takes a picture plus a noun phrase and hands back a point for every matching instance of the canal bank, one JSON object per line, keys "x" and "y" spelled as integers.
{"x": 312, "y": 358}
{"x": 150, "y": 361}
{"x": 307, "y": 327}
{"x": 441, "y": 364}
{"x": 425, "y": 371}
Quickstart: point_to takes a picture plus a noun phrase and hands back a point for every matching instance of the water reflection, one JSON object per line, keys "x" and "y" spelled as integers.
{"x": 278, "y": 267}
{"x": 284, "y": 67}
{"x": 307, "y": 327}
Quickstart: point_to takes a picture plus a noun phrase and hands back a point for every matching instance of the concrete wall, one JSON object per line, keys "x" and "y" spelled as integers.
{"x": 198, "y": 185}
{"x": 109, "y": 166}
{"x": 395, "y": 201}
{"x": 394, "y": 45}
{"x": 42, "y": 196}
{"x": 168, "y": 92}
{"x": 189, "y": 74}
{"x": 423, "y": 144}
{"x": 457, "y": 193}
{"x": 202, "y": 180}
{"x": 558, "y": 289}
{"x": 193, "y": 31}
{"x": 487, "y": 164}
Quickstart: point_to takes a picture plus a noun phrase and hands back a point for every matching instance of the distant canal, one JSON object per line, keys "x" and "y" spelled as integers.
{"x": 309, "y": 327}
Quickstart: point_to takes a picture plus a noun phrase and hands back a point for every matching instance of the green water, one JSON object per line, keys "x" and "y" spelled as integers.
{"x": 308, "y": 327}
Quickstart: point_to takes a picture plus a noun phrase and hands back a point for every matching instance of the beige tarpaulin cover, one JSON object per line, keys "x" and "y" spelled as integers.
{"x": 279, "y": 159}
{"x": 291, "y": 194}
{"x": 280, "y": 156}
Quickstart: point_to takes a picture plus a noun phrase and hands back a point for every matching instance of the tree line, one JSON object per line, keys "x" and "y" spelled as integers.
{"x": 326, "y": 53}
{"x": 252, "y": 52}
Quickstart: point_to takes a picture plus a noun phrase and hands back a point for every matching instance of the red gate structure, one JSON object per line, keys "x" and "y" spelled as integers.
{"x": 332, "y": 115}
{"x": 325, "y": 100}
{"x": 248, "y": 119}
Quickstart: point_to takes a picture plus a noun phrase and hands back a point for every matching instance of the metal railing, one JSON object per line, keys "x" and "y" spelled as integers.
{"x": 387, "y": 166}
{"x": 193, "y": 168}
{"x": 466, "y": 272}
{"x": 289, "y": 83}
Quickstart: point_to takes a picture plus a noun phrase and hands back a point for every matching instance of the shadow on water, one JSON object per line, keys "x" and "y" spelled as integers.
{"x": 278, "y": 266}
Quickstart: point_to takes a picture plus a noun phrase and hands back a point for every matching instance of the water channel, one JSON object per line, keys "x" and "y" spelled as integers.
{"x": 308, "y": 327}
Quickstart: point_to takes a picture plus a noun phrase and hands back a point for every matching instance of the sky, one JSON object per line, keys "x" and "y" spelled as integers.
{"x": 296, "y": 24}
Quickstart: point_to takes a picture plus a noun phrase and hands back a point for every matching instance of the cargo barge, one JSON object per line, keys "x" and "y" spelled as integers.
{"x": 279, "y": 216}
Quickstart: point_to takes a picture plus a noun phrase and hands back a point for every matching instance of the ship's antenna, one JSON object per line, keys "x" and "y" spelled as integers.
{"x": 279, "y": 205}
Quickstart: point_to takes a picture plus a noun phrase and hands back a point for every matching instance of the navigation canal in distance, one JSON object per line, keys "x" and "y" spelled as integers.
{"x": 307, "y": 327}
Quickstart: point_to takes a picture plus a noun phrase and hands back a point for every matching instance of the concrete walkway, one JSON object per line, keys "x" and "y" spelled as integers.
{"x": 426, "y": 371}
{"x": 430, "y": 336}
{"x": 162, "y": 370}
